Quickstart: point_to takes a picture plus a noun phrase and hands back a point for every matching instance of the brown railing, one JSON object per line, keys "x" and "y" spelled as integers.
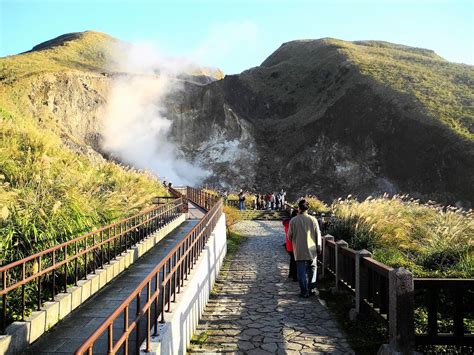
{"x": 201, "y": 198}
{"x": 147, "y": 305}
{"x": 346, "y": 260}
{"x": 447, "y": 304}
{"x": 329, "y": 248}
{"x": 51, "y": 271}
{"x": 374, "y": 296}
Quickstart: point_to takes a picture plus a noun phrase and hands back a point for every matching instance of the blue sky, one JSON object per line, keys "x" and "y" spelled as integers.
{"x": 236, "y": 35}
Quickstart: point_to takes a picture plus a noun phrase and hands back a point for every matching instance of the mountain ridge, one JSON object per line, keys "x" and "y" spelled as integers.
{"x": 362, "y": 117}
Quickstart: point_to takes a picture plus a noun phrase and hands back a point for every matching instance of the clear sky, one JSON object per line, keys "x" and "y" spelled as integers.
{"x": 236, "y": 35}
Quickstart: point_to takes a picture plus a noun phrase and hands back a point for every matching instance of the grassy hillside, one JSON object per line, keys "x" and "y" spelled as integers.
{"x": 89, "y": 51}
{"x": 48, "y": 192}
{"x": 428, "y": 83}
{"x": 443, "y": 89}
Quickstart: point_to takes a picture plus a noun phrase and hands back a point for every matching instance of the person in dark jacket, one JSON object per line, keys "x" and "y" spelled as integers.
{"x": 241, "y": 200}
{"x": 289, "y": 247}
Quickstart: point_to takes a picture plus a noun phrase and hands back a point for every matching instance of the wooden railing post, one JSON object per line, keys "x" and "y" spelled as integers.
{"x": 401, "y": 314}
{"x": 325, "y": 251}
{"x": 360, "y": 279}
{"x": 339, "y": 267}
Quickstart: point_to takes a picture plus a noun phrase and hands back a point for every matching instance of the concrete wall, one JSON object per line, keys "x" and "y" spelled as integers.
{"x": 19, "y": 335}
{"x": 175, "y": 334}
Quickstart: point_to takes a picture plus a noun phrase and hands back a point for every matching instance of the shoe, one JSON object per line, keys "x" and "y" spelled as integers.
{"x": 314, "y": 292}
{"x": 304, "y": 295}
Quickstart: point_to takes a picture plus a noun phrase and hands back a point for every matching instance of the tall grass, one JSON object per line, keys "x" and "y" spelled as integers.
{"x": 316, "y": 205}
{"x": 48, "y": 194}
{"x": 428, "y": 239}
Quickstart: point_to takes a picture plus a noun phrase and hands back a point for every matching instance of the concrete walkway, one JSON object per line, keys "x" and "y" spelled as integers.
{"x": 257, "y": 309}
{"x": 72, "y": 331}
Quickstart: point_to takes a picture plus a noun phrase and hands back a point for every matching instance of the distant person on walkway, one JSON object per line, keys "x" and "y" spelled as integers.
{"x": 305, "y": 237}
{"x": 268, "y": 203}
{"x": 241, "y": 200}
{"x": 277, "y": 200}
{"x": 282, "y": 198}
{"x": 257, "y": 201}
{"x": 289, "y": 247}
{"x": 272, "y": 200}
{"x": 225, "y": 196}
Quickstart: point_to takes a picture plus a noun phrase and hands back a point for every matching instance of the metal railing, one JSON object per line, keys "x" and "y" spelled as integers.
{"x": 51, "y": 271}
{"x": 147, "y": 305}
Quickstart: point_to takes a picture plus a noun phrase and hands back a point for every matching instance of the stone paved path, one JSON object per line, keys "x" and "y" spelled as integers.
{"x": 257, "y": 309}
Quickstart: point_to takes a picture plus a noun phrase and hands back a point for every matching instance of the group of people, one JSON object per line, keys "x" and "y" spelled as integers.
{"x": 269, "y": 201}
{"x": 303, "y": 244}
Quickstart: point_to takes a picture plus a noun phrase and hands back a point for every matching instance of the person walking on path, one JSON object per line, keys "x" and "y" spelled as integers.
{"x": 241, "y": 200}
{"x": 272, "y": 201}
{"x": 305, "y": 237}
{"x": 282, "y": 198}
{"x": 289, "y": 247}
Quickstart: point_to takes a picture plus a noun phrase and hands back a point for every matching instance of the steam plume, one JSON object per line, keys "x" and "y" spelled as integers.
{"x": 136, "y": 128}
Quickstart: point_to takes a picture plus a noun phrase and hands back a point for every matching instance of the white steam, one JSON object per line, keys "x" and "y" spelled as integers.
{"x": 136, "y": 128}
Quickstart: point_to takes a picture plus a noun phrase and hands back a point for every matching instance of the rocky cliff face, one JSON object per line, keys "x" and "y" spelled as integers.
{"x": 309, "y": 120}
{"x": 71, "y": 103}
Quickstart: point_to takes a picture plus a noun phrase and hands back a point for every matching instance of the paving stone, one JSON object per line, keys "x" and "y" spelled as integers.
{"x": 252, "y": 331}
{"x": 294, "y": 346}
{"x": 245, "y": 345}
{"x": 258, "y": 352}
{"x": 258, "y": 308}
{"x": 272, "y": 347}
{"x": 271, "y": 340}
{"x": 257, "y": 339}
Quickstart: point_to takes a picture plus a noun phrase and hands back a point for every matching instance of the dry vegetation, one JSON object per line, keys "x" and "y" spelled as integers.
{"x": 428, "y": 239}
{"x": 48, "y": 194}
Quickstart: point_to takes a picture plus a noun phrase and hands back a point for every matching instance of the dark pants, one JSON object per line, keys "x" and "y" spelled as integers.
{"x": 292, "y": 274}
{"x": 306, "y": 275}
